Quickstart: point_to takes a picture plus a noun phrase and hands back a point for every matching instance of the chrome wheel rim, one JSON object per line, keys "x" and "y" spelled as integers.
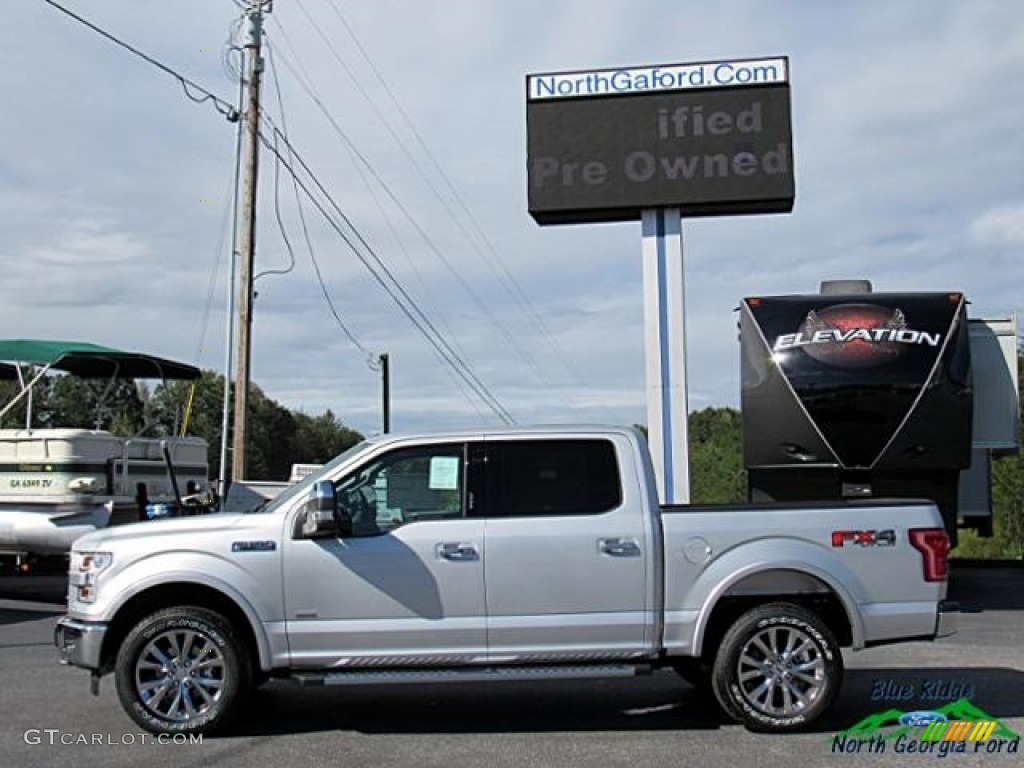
{"x": 180, "y": 675}
{"x": 781, "y": 671}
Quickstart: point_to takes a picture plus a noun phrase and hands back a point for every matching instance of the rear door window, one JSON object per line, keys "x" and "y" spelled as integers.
{"x": 534, "y": 478}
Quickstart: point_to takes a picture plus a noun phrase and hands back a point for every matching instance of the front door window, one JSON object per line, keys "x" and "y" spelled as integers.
{"x": 405, "y": 486}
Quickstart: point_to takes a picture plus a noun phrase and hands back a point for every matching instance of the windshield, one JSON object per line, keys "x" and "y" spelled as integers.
{"x": 307, "y": 482}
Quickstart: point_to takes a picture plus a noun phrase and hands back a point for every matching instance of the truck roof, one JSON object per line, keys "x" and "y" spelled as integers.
{"x": 480, "y": 433}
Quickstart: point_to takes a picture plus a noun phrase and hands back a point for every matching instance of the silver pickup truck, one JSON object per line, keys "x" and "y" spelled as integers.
{"x": 499, "y": 555}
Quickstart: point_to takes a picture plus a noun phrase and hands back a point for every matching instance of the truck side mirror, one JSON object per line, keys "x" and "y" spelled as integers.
{"x": 320, "y": 517}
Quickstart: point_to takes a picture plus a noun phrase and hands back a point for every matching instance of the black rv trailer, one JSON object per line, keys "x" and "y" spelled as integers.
{"x": 856, "y": 394}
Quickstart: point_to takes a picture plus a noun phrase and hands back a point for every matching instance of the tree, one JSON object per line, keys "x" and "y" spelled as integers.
{"x": 168, "y": 411}
{"x": 278, "y": 436}
{"x": 1007, "y": 503}
{"x": 271, "y": 438}
{"x": 320, "y": 438}
{"x": 61, "y": 400}
{"x": 716, "y": 457}
{"x": 15, "y": 417}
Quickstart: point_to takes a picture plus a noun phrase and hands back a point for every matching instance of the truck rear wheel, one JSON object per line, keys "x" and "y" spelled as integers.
{"x": 778, "y": 668}
{"x": 181, "y": 670}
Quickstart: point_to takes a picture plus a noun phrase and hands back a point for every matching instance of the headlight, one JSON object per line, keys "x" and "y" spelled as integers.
{"x": 85, "y": 569}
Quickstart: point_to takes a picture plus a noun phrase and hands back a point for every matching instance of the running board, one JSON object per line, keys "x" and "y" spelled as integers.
{"x": 469, "y": 674}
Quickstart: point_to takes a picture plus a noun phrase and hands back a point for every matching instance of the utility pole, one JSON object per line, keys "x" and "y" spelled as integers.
{"x": 247, "y": 241}
{"x": 385, "y": 382}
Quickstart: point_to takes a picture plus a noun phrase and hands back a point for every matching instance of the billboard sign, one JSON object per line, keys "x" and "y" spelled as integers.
{"x": 711, "y": 138}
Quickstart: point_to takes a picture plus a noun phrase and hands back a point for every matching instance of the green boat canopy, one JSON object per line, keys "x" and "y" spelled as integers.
{"x": 88, "y": 361}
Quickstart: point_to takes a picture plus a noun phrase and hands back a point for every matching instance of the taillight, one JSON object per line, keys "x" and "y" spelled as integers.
{"x": 933, "y": 544}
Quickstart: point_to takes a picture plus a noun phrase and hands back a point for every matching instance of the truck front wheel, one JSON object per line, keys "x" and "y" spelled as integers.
{"x": 181, "y": 670}
{"x": 778, "y": 668}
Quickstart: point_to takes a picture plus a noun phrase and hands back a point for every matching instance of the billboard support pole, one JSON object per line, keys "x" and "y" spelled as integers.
{"x": 665, "y": 352}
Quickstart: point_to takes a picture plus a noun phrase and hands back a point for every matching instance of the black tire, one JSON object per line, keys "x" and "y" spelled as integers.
{"x": 181, "y": 670}
{"x": 778, "y": 668}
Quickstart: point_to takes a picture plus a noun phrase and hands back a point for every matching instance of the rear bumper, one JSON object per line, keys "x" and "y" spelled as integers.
{"x": 886, "y": 623}
{"x": 948, "y": 618}
{"x": 79, "y": 643}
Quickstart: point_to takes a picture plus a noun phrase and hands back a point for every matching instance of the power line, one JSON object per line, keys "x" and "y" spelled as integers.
{"x": 489, "y": 253}
{"x": 277, "y": 185}
{"x": 281, "y": 229}
{"x": 298, "y": 71}
{"x": 222, "y": 106}
{"x": 409, "y": 307}
{"x": 385, "y": 278}
{"x": 397, "y": 292}
{"x": 505, "y": 276}
{"x": 225, "y": 227}
{"x": 360, "y": 162}
{"x": 370, "y": 358}
{"x": 459, "y": 278}
{"x": 231, "y": 69}
{"x": 302, "y": 76}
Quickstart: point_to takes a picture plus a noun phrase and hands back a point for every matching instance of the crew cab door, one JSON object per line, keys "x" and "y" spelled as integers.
{"x": 406, "y": 587}
{"x": 567, "y": 551}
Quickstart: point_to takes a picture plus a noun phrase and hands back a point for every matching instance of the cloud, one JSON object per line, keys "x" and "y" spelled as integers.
{"x": 1001, "y": 227}
{"x": 114, "y": 189}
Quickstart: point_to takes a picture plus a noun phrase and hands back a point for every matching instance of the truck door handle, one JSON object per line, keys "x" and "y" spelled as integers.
{"x": 619, "y": 547}
{"x": 459, "y": 551}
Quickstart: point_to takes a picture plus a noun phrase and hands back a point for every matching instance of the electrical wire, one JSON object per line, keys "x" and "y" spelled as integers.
{"x": 410, "y": 308}
{"x": 504, "y": 276}
{"x": 233, "y": 71}
{"x": 539, "y": 374}
{"x": 502, "y": 271}
{"x": 188, "y": 86}
{"x": 370, "y": 358}
{"x": 208, "y": 308}
{"x": 383, "y": 275}
{"x": 280, "y": 227}
{"x": 277, "y": 182}
{"x": 303, "y": 79}
{"x": 395, "y": 290}
{"x": 216, "y": 267}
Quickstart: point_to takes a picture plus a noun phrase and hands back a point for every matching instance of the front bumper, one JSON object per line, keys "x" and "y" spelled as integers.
{"x": 79, "y": 643}
{"x": 947, "y": 619}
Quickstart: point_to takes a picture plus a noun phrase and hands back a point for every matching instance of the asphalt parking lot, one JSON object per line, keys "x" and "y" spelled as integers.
{"x": 49, "y": 718}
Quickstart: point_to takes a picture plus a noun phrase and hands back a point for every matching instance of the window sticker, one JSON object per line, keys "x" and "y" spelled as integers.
{"x": 444, "y": 473}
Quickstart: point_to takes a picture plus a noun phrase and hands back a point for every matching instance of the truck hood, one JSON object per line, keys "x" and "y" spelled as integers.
{"x": 177, "y": 527}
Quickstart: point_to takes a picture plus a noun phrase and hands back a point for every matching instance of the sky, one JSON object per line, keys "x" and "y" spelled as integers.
{"x": 115, "y": 189}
